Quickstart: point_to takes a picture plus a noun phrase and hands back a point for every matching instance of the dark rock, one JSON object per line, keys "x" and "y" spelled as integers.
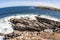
{"x": 23, "y": 24}
{"x": 48, "y": 23}
{"x": 38, "y": 24}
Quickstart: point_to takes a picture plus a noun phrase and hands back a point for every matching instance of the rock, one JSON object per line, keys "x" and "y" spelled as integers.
{"x": 57, "y": 31}
{"x": 38, "y": 24}
{"x": 24, "y": 24}
{"x": 49, "y": 36}
{"x": 25, "y": 35}
{"x": 39, "y": 29}
{"x": 1, "y": 34}
{"x": 16, "y": 20}
{"x": 57, "y": 36}
{"x": 48, "y": 23}
{"x": 48, "y": 31}
{"x": 20, "y": 26}
{"x": 21, "y": 35}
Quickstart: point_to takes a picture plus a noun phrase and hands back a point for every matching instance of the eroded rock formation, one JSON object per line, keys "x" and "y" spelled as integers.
{"x": 39, "y": 29}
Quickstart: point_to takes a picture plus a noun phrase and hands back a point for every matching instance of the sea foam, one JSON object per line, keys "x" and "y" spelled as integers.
{"x": 50, "y": 17}
{"x": 5, "y": 27}
{"x": 1, "y": 37}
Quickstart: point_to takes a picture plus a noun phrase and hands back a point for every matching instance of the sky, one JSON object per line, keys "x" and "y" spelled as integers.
{"x": 9, "y": 3}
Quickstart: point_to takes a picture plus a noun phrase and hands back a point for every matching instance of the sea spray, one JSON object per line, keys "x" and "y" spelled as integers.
{"x": 31, "y": 16}
{"x": 50, "y": 17}
{"x": 5, "y": 27}
{"x": 1, "y": 37}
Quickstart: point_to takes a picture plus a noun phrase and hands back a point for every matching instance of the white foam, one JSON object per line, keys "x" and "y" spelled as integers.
{"x": 31, "y": 16}
{"x": 2, "y": 37}
{"x": 32, "y": 8}
{"x": 50, "y": 17}
{"x": 5, "y": 27}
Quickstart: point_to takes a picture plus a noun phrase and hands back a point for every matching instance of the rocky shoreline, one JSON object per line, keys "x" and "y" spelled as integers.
{"x": 39, "y": 29}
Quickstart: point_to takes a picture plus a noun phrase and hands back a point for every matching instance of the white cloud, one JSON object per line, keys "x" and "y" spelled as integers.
{"x": 27, "y": 3}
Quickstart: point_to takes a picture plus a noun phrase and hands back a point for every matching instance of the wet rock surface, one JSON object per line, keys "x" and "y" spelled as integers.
{"x": 39, "y": 29}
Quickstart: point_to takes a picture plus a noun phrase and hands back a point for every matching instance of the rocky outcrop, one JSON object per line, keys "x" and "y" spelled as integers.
{"x": 39, "y": 29}
{"x": 38, "y": 24}
{"x": 1, "y": 34}
{"x": 29, "y": 35}
{"x": 48, "y": 23}
{"x": 26, "y": 24}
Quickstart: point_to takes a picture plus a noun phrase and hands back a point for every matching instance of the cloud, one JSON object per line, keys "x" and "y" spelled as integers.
{"x": 26, "y": 3}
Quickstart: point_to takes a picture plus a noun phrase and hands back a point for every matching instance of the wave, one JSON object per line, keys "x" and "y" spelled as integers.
{"x": 50, "y": 17}
{"x": 32, "y": 7}
{"x": 5, "y": 26}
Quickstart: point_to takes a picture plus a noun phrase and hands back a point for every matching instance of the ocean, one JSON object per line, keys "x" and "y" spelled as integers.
{"x": 8, "y": 11}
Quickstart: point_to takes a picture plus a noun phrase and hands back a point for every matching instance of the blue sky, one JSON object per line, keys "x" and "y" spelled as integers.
{"x": 8, "y": 3}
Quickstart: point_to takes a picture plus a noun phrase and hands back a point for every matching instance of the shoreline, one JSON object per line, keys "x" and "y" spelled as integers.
{"x": 27, "y": 29}
{"x": 30, "y": 26}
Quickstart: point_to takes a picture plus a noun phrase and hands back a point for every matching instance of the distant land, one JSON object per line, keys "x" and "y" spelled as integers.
{"x": 48, "y": 7}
